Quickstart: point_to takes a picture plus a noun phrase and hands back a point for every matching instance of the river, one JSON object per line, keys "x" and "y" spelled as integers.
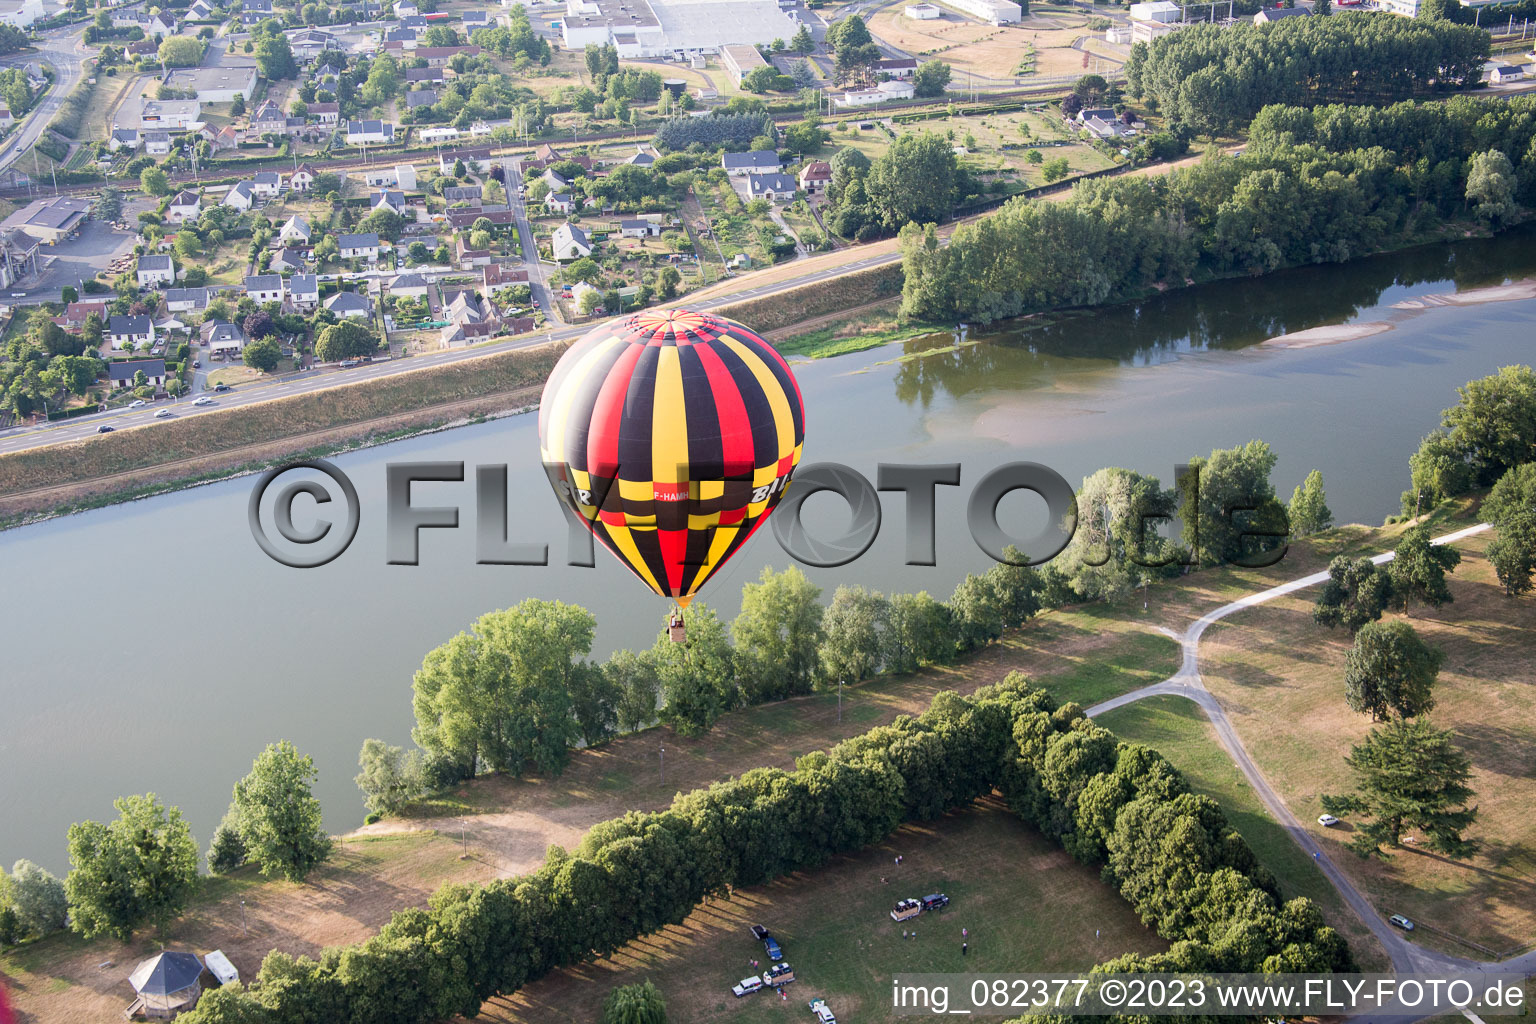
{"x": 152, "y": 647}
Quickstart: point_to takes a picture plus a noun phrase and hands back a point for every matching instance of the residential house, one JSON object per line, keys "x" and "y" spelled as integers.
{"x": 187, "y": 300}
{"x": 154, "y": 271}
{"x": 467, "y": 258}
{"x": 130, "y": 331}
{"x": 304, "y": 291}
{"x": 560, "y": 202}
{"x": 438, "y": 133}
{"x": 902, "y": 68}
{"x": 1102, "y": 128}
{"x": 325, "y": 113}
{"x": 149, "y": 24}
{"x": 641, "y": 159}
{"x": 420, "y": 98}
{"x": 264, "y": 288}
{"x": 759, "y": 161}
{"x": 439, "y": 56}
{"x": 360, "y": 133}
{"x": 407, "y": 9}
{"x": 568, "y": 242}
{"x": 555, "y": 182}
{"x": 349, "y": 304}
{"x": 303, "y": 178}
{"x": 252, "y": 11}
{"x": 389, "y": 199}
{"x": 202, "y": 10}
{"x": 500, "y": 275}
{"x": 433, "y": 76}
{"x": 223, "y": 338}
{"x": 1500, "y": 74}
{"x": 379, "y": 176}
{"x": 269, "y": 117}
{"x": 123, "y": 138}
{"x": 406, "y": 37}
{"x": 267, "y": 184}
{"x": 498, "y": 214}
{"x": 325, "y": 71}
{"x": 778, "y": 188}
{"x": 815, "y": 177}
{"x": 294, "y": 229}
{"x": 362, "y": 247}
{"x": 477, "y": 19}
{"x": 242, "y": 196}
{"x": 413, "y": 285}
{"x": 157, "y": 143}
{"x": 185, "y": 206}
{"x": 479, "y": 129}
{"x": 76, "y": 312}
{"x": 123, "y": 373}
{"x": 463, "y": 194}
{"x": 477, "y": 159}
{"x": 310, "y": 43}
{"x": 468, "y": 319}
{"x": 288, "y": 259}
{"x": 638, "y": 228}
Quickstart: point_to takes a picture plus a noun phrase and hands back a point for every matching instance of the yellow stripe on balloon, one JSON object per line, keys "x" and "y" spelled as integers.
{"x": 621, "y": 539}
{"x": 669, "y": 421}
{"x": 719, "y": 543}
{"x": 783, "y": 419}
{"x": 575, "y": 383}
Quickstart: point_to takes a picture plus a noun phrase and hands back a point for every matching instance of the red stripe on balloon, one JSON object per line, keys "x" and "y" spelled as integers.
{"x": 736, "y": 448}
{"x": 608, "y": 413}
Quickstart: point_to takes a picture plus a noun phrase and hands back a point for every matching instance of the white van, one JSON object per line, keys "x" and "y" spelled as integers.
{"x": 746, "y": 985}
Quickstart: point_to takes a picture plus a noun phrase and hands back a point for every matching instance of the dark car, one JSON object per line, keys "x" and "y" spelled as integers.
{"x": 772, "y": 946}
{"x": 197, "y": 364}
{"x": 759, "y": 932}
{"x": 936, "y": 901}
{"x": 104, "y": 429}
{"x": 222, "y": 387}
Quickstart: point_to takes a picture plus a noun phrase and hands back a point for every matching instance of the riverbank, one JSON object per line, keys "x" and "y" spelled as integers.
{"x": 1407, "y": 309}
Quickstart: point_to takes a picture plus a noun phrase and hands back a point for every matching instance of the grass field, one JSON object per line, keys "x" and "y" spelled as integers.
{"x": 1026, "y": 905}
{"x": 1176, "y": 728}
{"x": 996, "y": 52}
{"x": 1280, "y": 677}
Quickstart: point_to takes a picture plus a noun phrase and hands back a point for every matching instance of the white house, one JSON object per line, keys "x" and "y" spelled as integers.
{"x": 242, "y": 196}
{"x": 188, "y": 300}
{"x": 185, "y": 206}
{"x": 438, "y": 133}
{"x": 123, "y": 372}
{"x": 392, "y": 200}
{"x": 157, "y": 143}
{"x": 638, "y": 228}
{"x": 294, "y": 229}
{"x": 223, "y": 338}
{"x": 413, "y": 285}
{"x": 759, "y": 161}
{"x": 349, "y": 304}
{"x": 154, "y": 271}
{"x": 288, "y": 259}
{"x": 363, "y": 247}
{"x": 126, "y": 331}
{"x": 569, "y": 242}
{"x": 561, "y": 202}
{"x": 922, "y": 12}
{"x": 772, "y": 187}
{"x": 123, "y": 138}
{"x": 304, "y": 291}
{"x": 362, "y": 133}
{"x": 303, "y": 178}
{"x": 265, "y": 288}
{"x": 267, "y": 184}
{"x": 478, "y": 159}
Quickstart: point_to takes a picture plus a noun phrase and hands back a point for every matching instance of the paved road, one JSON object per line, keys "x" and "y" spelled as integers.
{"x": 61, "y": 52}
{"x": 1187, "y": 682}
{"x": 538, "y": 273}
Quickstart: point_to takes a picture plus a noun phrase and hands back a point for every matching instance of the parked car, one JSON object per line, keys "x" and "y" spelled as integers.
{"x": 203, "y": 400}
{"x": 222, "y": 387}
{"x": 746, "y": 985}
{"x": 759, "y": 932}
{"x": 935, "y": 901}
{"x": 137, "y": 403}
{"x": 772, "y": 946}
{"x": 347, "y": 364}
{"x": 905, "y": 910}
{"x": 197, "y": 364}
{"x": 1327, "y": 820}
{"x": 1401, "y": 922}
{"x": 163, "y": 414}
{"x": 823, "y": 1012}
{"x": 779, "y": 974}
{"x": 104, "y": 429}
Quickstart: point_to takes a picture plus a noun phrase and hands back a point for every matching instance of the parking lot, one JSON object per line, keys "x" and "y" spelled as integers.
{"x": 76, "y": 259}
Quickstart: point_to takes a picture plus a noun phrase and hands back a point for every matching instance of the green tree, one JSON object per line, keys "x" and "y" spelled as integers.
{"x": 1308, "y": 510}
{"x": 777, "y": 635}
{"x": 345, "y": 339}
{"x": 920, "y": 632}
{"x": 237, "y": 106}
{"x": 638, "y": 684}
{"x": 499, "y": 695}
{"x": 803, "y": 42}
{"x": 640, "y": 1003}
{"x": 668, "y": 280}
{"x": 263, "y": 354}
{"x": 152, "y": 180}
{"x": 697, "y": 678}
{"x": 1358, "y": 591}
{"x": 279, "y": 817}
{"x": 274, "y": 56}
{"x": 1390, "y": 669}
{"x": 226, "y": 850}
{"x": 594, "y": 702}
{"x": 978, "y": 613}
{"x": 1513, "y": 553}
{"x": 181, "y": 51}
{"x": 390, "y": 777}
{"x": 1418, "y": 570}
{"x": 913, "y": 181}
{"x": 38, "y": 899}
{"x": 1117, "y": 513}
{"x": 759, "y": 79}
{"x": 931, "y": 78}
{"x": 1514, "y": 495}
{"x": 1214, "y": 496}
{"x": 855, "y": 625}
{"x": 1055, "y": 170}
{"x": 139, "y": 869}
{"x": 1409, "y": 775}
{"x": 1491, "y": 187}
{"x": 806, "y": 136}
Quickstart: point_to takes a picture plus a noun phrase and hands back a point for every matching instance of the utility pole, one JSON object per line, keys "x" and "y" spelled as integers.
{"x": 663, "y": 765}
{"x": 839, "y": 702}
{"x": 243, "y": 930}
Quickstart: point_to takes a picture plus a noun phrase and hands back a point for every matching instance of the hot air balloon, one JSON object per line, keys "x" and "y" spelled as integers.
{"x": 672, "y": 435}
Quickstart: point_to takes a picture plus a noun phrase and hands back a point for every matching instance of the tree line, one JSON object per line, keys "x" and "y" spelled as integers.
{"x": 1314, "y": 186}
{"x": 1216, "y": 78}
{"x": 1119, "y": 806}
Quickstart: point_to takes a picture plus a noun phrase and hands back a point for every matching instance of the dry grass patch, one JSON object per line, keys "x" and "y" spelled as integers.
{"x": 1280, "y": 677}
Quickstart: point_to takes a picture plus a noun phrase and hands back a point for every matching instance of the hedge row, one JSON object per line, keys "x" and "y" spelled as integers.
{"x": 1171, "y": 853}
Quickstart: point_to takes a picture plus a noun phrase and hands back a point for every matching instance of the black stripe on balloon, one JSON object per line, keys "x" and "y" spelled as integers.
{"x": 706, "y": 452}
{"x": 780, "y": 374}
{"x": 635, "y": 426}
{"x": 765, "y": 433}
{"x": 578, "y": 416}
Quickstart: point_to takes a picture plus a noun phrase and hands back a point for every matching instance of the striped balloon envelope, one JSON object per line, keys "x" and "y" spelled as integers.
{"x": 672, "y": 434}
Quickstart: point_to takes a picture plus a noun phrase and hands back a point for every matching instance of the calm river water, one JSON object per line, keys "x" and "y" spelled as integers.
{"x": 152, "y": 647}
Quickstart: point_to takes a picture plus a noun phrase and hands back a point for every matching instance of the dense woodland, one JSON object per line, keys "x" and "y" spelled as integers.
{"x": 1122, "y": 807}
{"x": 1314, "y": 186}
{"x": 1215, "y": 79}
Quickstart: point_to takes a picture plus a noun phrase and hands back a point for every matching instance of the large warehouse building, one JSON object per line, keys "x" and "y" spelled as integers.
{"x": 655, "y": 28}
{"x": 993, "y": 12}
